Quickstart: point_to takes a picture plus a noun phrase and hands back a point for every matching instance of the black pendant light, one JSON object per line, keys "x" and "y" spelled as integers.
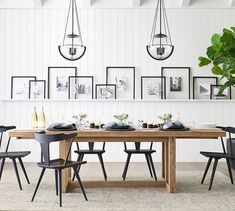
{"x": 160, "y": 46}
{"x": 72, "y": 47}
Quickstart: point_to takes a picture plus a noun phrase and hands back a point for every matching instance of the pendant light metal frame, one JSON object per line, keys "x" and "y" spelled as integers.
{"x": 163, "y": 21}
{"x": 72, "y": 6}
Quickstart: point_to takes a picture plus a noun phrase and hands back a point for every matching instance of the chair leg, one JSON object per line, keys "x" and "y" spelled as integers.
{"x": 80, "y": 158}
{"x": 56, "y": 181}
{"x": 148, "y": 162}
{"x": 2, "y": 166}
{"x": 152, "y": 164}
{"x": 60, "y": 185}
{"x": 23, "y": 168}
{"x": 126, "y": 166}
{"x": 39, "y": 181}
{"x": 16, "y": 172}
{"x": 102, "y": 165}
{"x": 213, "y": 172}
{"x": 80, "y": 182}
{"x": 229, "y": 170}
{"x": 206, "y": 170}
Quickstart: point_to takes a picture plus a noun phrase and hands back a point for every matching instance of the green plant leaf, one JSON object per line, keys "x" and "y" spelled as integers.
{"x": 227, "y": 85}
{"x": 233, "y": 28}
{"x": 203, "y": 61}
{"x": 211, "y": 53}
{"x": 217, "y": 70}
{"x": 216, "y": 43}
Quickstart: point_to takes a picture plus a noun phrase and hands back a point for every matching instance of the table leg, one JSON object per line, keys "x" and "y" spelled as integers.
{"x": 163, "y": 159}
{"x": 171, "y": 182}
{"x": 66, "y": 173}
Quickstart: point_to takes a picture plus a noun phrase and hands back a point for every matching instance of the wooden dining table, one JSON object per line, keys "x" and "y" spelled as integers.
{"x": 167, "y": 138}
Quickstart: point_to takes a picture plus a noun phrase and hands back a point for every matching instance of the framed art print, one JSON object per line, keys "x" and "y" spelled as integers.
{"x": 124, "y": 78}
{"x": 81, "y": 87}
{"x": 58, "y": 81}
{"x": 202, "y": 86}
{"x": 177, "y": 82}
{"x": 20, "y": 86}
{"x": 105, "y": 91}
{"x": 153, "y": 87}
{"x": 214, "y": 93}
{"x": 37, "y": 89}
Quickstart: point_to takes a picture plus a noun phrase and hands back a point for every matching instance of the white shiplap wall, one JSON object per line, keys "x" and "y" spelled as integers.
{"x": 114, "y": 37}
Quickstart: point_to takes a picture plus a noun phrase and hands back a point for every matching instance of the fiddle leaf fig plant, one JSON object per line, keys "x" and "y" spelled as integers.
{"x": 221, "y": 54}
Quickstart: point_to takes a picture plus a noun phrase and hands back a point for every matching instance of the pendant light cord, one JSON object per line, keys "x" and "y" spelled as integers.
{"x": 79, "y": 30}
{"x": 154, "y": 24}
{"x": 67, "y": 21}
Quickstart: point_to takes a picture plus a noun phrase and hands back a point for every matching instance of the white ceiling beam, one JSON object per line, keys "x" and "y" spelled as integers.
{"x": 135, "y": 3}
{"x": 231, "y": 3}
{"x": 185, "y": 3}
{"x": 37, "y": 3}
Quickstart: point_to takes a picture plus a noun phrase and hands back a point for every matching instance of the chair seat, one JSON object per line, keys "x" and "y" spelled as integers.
{"x": 59, "y": 164}
{"x": 216, "y": 155}
{"x": 140, "y": 151}
{"x": 14, "y": 154}
{"x": 87, "y": 151}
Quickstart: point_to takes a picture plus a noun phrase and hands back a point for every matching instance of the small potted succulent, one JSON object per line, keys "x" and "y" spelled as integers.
{"x": 121, "y": 117}
{"x": 80, "y": 119}
{"x": 165, "y": 117}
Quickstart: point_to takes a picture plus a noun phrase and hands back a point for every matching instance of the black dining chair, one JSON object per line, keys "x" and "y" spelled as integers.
{"x": 148, "y": 155}
{"x": 56, "y": 164}
{"x": 228, "y": 156}
{"x": 91, "y": 151}
{"x": 13, "y": 156}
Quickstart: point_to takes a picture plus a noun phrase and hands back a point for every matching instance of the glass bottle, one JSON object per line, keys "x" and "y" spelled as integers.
{"x": 35, "y": 118}
{"x": 42, "y": 119}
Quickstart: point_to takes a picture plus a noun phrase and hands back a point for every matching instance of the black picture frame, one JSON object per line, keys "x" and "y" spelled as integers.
{"x": 229, "y": 92}
{"x": 203, "y": 77}
{"x": 109, "y": 68}
{"x": 20, "y": 77}
{"x": 44, "y": 87}
{"x": 163, "y": 85}
{"x": 188, "y": 69}
{"x": 81, "y": 77}
{"x": 107, "y": 85}
{"x": 49, "y": 77}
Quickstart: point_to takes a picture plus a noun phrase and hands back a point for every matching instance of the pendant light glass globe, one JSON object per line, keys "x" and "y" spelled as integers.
{"x": 72, "y": 47}
{"x": 160, "y": 46}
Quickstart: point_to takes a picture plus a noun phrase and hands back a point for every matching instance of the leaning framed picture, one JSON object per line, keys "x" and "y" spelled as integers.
{"x": 124, "y": 78}
{"x": 58, "y": 81}
{"x": 81, "y": 87}
{"x": 202, "y": 86}
{"x": 214, "y": 93}
{"x": 20, "y": 86}
{"x": 105, "y": 91}
{"x": 153, "y": 87}
{"x": 177, "y": 82}
{"x": 37, "y": 89}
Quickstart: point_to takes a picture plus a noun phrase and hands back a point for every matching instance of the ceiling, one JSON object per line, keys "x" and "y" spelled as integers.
{"x": 117, "y": 3}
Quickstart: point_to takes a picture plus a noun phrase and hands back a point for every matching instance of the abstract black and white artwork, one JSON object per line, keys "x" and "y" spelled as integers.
{"x": 105, "y": 91}
{"x": 215, "y": 95}
{"x": 202, "y": 86}
{"x": 124, "y": 78}
{"x": 37, "y": 89}
{"x": 121, "y": 83}
{"x": 20, "y": 86}
{"x": 153, "y": 87}
{"x": 177, "y": 82}
{"x": 58, "y": 81}
{"x": 81, "y": 87}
